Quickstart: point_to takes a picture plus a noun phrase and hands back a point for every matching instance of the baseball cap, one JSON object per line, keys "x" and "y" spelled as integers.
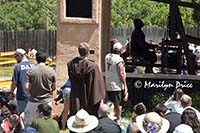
{"x": 117, "y": 46}
{"x": 20, "y": 51}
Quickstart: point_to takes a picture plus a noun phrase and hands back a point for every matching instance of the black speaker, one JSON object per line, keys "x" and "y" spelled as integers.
{"x": 172, "y": 59}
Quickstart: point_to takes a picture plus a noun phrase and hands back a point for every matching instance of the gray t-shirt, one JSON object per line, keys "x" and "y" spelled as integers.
{"x": 41, "y": 78}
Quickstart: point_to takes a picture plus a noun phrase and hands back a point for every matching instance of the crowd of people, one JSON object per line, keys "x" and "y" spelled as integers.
{"x": 176, "y": 115}
{"x": 30, "y": 96}
{"x": 85, "y": 95}
{"x": 34, "y": 84}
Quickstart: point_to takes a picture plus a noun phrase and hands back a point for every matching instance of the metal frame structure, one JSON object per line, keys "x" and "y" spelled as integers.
{"x": 176, "y": 27}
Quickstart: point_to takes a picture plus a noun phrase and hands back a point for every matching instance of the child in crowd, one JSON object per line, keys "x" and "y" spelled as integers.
{"x": 63, "y": 97}
{"x": 139, "y": 109}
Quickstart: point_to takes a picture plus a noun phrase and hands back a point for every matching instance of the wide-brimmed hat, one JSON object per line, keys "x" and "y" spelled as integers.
{"x": 152, "y": 122}
{"x": 82, "y": 122}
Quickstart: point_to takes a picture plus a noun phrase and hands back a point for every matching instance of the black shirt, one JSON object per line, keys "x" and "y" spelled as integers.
{"x": 106, "y": 125}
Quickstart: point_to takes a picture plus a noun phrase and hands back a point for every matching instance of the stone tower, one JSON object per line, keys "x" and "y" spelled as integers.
{"x": 81, "y": 21}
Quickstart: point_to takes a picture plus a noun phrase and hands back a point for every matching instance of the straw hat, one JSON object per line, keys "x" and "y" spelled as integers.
{"x": 82, "y": 122}
{"x": 152, "y": 122}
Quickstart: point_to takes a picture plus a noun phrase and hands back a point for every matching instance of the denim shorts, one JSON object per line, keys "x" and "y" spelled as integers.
{"x": 66, "y": 92}
{"x": 21, "y": 105}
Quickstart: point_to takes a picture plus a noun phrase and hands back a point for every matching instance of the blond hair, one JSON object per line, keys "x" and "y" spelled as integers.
{"x": 186, "y": 100}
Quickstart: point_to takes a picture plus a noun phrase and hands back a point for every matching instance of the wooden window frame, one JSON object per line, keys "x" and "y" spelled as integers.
{"x": 79, "y": 20}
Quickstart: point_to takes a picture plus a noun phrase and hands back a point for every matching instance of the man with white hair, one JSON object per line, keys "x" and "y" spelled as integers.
{"x": 18, "y": 78}
{"x": 106, "y": 125}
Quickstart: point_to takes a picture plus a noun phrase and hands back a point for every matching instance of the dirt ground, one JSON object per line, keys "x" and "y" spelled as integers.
{"x": 57, "y": 109}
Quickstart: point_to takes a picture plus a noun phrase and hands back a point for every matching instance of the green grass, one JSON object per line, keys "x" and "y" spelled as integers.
{"x": 6, "y": 73}
{"x": 64, "y": 131}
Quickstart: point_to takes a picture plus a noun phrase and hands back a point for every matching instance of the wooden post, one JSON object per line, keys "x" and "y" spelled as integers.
{"x": 46, "y": 22}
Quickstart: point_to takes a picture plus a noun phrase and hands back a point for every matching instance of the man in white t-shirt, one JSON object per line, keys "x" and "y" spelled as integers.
{"x": 115, "y": 76}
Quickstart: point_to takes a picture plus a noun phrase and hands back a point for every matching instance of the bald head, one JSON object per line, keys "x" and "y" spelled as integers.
{"x": 103, "y": 110}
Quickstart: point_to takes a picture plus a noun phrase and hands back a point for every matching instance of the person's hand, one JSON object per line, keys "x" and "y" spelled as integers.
{"x": 125, "y": 89}
{"x": 125, "y": 99}
{"x": 14, "y": 117}
{"x": 125, "y": 95}
{"x": 11, "y": 96}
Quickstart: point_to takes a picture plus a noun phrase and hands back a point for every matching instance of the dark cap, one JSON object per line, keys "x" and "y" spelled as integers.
{"x": 138, "y": 23}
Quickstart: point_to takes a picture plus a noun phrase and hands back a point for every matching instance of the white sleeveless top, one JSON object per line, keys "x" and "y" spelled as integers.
{"x": 113, "y": 82}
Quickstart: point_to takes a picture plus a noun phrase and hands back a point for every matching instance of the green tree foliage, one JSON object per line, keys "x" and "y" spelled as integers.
{"x": 121, "y": 13}
{"x": 151, "y": 12}
{"x": 27, "y": 14}
{"x": 30, "y": 14}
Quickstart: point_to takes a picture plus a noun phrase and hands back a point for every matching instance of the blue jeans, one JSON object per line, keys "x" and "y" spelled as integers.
{"x": 21, "y": 105}
{"x": 66, "y": 92}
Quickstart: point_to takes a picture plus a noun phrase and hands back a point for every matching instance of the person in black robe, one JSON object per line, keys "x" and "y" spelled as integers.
{"x": 140, "y": 48}
{"x": 87, "y": 84}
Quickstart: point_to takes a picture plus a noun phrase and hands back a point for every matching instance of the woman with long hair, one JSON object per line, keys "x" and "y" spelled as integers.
{"x": 190, "y": 118}
{"x": 174, "y": 103}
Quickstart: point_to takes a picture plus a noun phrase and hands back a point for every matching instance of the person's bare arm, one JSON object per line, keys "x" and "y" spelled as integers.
{"x": 26, "y": 87}
{"x": 21, "y": 121}
{"x": 53, "y": 86}
{"x": 12, "y": 89}
{"x": 122, "y": 75}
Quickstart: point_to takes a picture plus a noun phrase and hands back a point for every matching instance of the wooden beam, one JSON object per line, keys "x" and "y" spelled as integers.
{"x": 192, "y": 39}
{"x": 180, "y": 3}
{"x": 163, "y": 76}
{"x": 7, "y": 53}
